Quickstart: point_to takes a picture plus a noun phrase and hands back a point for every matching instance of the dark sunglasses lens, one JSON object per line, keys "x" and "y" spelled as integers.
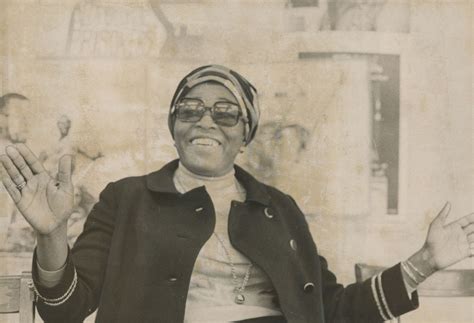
{"x": 190, "y": 111}
{"x": 226, "y": 114}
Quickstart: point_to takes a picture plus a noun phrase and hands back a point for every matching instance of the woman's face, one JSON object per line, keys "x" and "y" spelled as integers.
{"x": 204, "y": 147}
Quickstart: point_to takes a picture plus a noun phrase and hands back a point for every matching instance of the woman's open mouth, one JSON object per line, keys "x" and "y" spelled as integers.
{"x": 205, "y": 142}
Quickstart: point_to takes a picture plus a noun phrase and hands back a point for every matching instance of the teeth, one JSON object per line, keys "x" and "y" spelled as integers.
{"x": 204, "y": 142}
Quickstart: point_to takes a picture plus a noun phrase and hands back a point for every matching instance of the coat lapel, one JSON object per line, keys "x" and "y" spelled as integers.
{"x": 280, "y": 244}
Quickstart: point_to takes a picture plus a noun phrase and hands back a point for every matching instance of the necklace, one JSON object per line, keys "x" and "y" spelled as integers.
{"x": 238, "y": 290}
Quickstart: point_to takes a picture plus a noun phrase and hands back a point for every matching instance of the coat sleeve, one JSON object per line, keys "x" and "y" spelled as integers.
{"x": 379, "y": 298}
{"x": 77, "y": 294}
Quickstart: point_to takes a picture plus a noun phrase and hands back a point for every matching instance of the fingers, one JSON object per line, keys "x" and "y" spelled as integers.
{"x": 19, "y": 162}
{"x": 467, "y": 224}
{"x": 11, "y": 170}
{"x": 469, "y": 229}
{"x": 470, "y": 238}
{"x": 442, "y": 215}
{"x": 467, "y": 220}
{"x": 9, "y": 185}
{"x": 65, "y": 169}
{"x": 30, "y": 159}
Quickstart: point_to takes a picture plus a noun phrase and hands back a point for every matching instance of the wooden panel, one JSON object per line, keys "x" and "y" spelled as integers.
{"x": 9, "y": 294}
{"x": 449, "y": 283}
{"x": 445, "y": 283}
{"x": 26, "y": 299}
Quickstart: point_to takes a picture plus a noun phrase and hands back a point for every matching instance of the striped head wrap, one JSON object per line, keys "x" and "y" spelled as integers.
{"x": 244, "y": 92}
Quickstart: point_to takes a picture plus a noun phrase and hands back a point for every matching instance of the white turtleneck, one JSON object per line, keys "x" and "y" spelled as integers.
{"x": 211, "y": 290}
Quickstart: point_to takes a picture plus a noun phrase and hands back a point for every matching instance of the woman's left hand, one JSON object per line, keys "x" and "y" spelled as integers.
{"x": 446, "y": 244}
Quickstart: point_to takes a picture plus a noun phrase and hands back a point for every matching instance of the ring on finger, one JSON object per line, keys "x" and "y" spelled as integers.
{"x": 21, "y": 185}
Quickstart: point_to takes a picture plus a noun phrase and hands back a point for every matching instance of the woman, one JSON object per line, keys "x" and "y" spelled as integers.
{"x": 201, "y": 239}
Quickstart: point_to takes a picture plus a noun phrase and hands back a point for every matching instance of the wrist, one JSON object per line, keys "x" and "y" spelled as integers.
{"x": 423, "y": 261}
{"x": 52, "y": 249}
{"x": 57, "y": 233}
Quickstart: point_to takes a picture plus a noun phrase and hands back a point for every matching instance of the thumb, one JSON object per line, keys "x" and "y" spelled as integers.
{"x": 65, "y": 170}
{"x": 442, "y": 215}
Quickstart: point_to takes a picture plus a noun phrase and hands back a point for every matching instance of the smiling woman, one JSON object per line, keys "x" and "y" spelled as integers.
{"x": 201, "y": 240}
{"x": 208, "y": 142}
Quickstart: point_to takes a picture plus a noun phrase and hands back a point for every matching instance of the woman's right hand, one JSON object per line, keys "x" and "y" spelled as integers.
{"x": 45, "y": 202}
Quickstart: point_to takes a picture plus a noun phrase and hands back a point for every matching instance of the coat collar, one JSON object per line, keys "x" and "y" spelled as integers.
{"x": 162, "y": 181}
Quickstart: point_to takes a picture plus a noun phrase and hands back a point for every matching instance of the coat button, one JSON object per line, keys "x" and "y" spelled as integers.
{"x": 267, "y": 213}
{"x": 293, "y": 244}
{"x": 172, "y": 279}
{"x": 308, "y": 287}
{"x": 199, "y": 209}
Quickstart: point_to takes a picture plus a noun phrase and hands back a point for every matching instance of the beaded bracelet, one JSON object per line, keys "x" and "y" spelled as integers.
{"x": 60, "y": 300}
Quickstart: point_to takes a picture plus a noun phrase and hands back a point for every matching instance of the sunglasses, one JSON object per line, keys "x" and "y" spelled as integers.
{"x": 223, "y": 113}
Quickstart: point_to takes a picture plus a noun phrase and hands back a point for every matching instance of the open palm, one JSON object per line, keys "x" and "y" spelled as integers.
{"x": 45, "y": 202}
{"x": 450, "y": 243}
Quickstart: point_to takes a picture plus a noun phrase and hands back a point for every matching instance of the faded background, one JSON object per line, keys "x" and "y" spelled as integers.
{"x": 367, "y": 109}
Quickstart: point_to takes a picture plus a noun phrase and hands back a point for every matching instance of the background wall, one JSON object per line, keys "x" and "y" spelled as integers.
{"x": 112, "y": 67}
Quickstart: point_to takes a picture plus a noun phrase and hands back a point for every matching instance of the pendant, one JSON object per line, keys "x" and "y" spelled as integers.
{"x": 239, "y": 299}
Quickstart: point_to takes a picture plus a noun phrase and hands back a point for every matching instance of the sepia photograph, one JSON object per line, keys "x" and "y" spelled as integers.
{"x": 252, "y": 161}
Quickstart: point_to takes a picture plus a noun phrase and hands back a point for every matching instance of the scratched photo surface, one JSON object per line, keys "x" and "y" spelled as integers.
{"x": 366, "y": 110}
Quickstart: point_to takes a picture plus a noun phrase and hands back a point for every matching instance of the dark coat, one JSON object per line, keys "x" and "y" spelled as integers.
{"x": 136, "y": 254}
